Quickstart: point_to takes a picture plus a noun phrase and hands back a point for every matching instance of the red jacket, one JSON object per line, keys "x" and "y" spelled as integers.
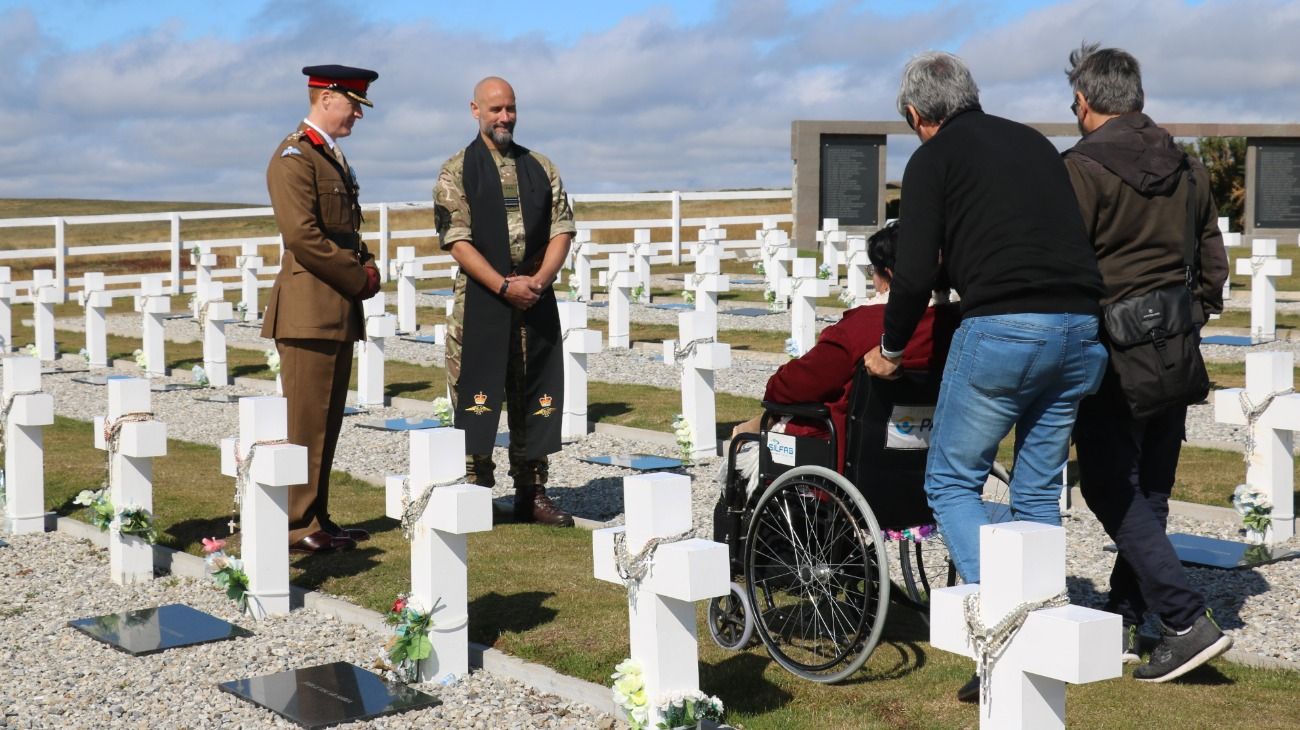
{"x": 825, "y": 373}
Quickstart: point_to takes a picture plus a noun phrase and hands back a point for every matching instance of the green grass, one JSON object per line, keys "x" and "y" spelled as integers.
{"x": 1241, "y": 318}
{"x": 532, "y": 595}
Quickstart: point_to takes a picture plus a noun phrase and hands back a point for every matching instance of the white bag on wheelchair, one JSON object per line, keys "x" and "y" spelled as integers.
{"x": 910, "y": 428}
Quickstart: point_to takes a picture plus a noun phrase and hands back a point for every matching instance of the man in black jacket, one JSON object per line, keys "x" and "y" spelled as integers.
{"x": 1132, "y": 184}
{"x": 992, "y": 198}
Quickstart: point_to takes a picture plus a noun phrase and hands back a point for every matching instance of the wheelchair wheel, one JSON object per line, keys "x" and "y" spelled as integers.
{"x": 997, "y": 494}
{"x": 815, "y": 574}
{"x": 925, "y": 565}
{"x": 731, "y": 621}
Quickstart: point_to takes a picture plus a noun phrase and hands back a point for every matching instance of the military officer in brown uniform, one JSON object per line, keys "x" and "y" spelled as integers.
{"x": 502, "y": 213}
{"x": 314, "y": 313}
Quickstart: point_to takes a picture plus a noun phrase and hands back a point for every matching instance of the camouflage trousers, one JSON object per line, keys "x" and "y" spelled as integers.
{"x": 479, "y": 468}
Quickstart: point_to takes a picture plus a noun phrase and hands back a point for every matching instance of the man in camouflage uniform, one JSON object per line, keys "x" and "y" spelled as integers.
{"x": 509, "y": 230}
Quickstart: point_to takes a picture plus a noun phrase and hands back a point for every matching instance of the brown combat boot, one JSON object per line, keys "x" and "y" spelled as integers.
{"x": 532, "y": 505}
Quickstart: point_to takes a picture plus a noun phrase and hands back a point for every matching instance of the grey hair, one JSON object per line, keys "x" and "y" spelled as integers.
{"x": 938, "y": 85}
{"x": 1109, "y": 78}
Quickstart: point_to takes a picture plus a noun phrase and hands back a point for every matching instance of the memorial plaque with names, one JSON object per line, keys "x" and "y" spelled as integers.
{"x": 640, "y": 462}
{"x": 1209, "y": 552}
{"x": 1277, "y": 183}
{"x": 672, "y": 306}
{"x": 420, "y": 339}
{"x": 439, "y": 292}
{"x": 850, "y": 178}
{"x": 151, "y": 630}
{"x": 748, "y": 312}
{"x": 99, "y": 379}
{"x": 328, "y": 694}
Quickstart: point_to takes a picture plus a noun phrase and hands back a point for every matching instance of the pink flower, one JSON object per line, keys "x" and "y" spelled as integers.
{"x": 211, "y": 544}
{"x": 399, "y": 605}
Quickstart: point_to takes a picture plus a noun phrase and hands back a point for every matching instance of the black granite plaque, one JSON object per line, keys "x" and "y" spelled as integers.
{"x": 672, "y": 306}
{"x": 748, "y": 282}
{"x": 99, "y": 379}
{"x": 850, "y": 178}
{"x": 1210, "y": 552}
{"x": 178, "y": 315}
{"x": 328, "y": 694}
{"x": 151, "y": 630}
{"x": 172, "y": 387}
{"x": 422, "y": 339}
{"x": 597, "y": 305}
{"x": 400, "y": 424}
{"x": 352, "y": 410}
{"x": 502, "y": 440}
{"x": 1230, "y": 340}
{"x": 440, "y": 292}
{"x": 64, "y": 371}
{"x": 1277, "y": 183}
{"x": 222, "y": 398}
{"x": 3, "y": 544}
{"x": 640, "y": 462}
{"x": 748, "y": 312}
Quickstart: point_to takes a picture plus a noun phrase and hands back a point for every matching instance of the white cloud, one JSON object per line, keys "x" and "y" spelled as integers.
{"x": 649, "y": 103}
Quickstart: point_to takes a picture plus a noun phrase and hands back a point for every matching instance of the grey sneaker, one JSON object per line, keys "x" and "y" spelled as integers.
{"x": 1178, "y": 654}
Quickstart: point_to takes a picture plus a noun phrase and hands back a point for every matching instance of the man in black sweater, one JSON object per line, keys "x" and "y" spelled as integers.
{"x": 1132, "y": 183}
{"x": 990, "y": 200}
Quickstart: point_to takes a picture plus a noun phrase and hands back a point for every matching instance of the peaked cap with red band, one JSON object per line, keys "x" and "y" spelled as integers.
{"x": 344, "y": 79}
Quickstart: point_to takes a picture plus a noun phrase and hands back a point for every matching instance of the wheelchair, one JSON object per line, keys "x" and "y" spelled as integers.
{"x": 808, "y": 548}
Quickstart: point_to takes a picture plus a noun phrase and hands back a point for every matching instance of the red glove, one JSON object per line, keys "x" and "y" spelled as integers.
{"x": 372, "y": 282}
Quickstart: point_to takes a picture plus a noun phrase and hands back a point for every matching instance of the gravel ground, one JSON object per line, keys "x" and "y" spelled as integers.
{"x": 55, "y": 676}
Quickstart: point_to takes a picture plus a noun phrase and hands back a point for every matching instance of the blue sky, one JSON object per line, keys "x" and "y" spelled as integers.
{"x": 185, "y": 100}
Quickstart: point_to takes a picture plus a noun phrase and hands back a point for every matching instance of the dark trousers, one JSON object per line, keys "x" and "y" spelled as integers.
{"x": 315, "y": 376}
{"x": 1126, "y": 473}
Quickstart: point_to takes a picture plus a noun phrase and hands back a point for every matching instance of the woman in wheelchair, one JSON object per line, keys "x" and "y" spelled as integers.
{"x": 804, "y": 527}
{"x": 824, "y": 374}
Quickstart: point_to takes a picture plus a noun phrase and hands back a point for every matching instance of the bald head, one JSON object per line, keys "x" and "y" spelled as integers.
{"x": 494, "y": 108}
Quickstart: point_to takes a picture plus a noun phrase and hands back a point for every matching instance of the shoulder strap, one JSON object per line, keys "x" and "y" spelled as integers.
{"x": 1191, "y": 251}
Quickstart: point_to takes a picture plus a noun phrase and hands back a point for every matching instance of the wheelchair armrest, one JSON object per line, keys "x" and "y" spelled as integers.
{"x": 815, "y": 411}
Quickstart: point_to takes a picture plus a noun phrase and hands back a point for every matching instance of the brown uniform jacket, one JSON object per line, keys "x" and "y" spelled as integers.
{"x": 322, "y": 270}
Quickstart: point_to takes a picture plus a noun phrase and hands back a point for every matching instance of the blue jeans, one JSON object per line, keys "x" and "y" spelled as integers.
{"x": 1027, "y": 371}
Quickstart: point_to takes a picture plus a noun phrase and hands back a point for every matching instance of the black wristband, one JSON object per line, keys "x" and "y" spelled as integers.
{"x": 505, "y": 284}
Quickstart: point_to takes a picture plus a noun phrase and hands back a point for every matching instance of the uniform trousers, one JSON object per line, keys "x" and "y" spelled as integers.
{"x": 1126, "y": 474}
{"x": 314, "y": 375}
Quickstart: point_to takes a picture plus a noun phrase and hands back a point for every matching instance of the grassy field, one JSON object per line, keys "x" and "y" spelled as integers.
{"x": 532, "y": 595}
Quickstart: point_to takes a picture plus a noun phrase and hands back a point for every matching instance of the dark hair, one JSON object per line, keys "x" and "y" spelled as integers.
{"x": 882, "y": 248}
{"x": 1109, "y": 78}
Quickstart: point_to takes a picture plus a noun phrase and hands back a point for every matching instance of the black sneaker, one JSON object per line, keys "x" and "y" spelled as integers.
{"x": 1178, "y": 654}
{"x": 1131, "y": 652}
{"x": 970, "y": 692}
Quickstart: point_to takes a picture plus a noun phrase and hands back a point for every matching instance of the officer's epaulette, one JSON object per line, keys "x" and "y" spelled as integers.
{"x": 294, "y": 136}
{"x": 314, "y": 137}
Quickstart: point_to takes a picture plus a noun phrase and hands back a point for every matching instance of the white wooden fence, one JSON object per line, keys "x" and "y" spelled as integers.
{"x": 381, "y": 242}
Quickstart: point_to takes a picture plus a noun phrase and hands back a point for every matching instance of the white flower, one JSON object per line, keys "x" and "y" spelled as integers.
{"x": 1248, "y": 498}
{"x": 273, "y": 360}
{"x": 141, "y": 360}
{"x": 442, "y": 410}
{"x": 791, "y": 347}
{"x": 846, "y": 296}
{"x": 84, "y": 354}
{"x": 200, "y": 377}
{"x": 86, "y": 497}
{"x": 30, "y": 350}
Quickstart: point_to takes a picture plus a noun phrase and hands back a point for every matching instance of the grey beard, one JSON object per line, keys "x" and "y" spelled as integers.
{"x": 502, "y": 137}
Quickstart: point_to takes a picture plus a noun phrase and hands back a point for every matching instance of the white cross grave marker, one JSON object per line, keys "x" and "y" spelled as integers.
{"x": 857, "y": 261}
{"x": 1230, "y": 240}
{"x": 26, "y": 412}
{"x": 370, "y": 351}
{"x": 439, "y": 541}
{"x": 833, "y": 241}
{"x": 1262, "y": 267}
{"x": 46, "y": 292}
{"x": 405, "y": 269}
{"x": 249, "y": 264}
{"x": 709, "y": 282}
{"x": 275, "y": 466}
{"x": 804, "y": 289}
{"x": 583, "y": 251}
{"x": 661, "y": 611}
{"x": 154, "y": 305}
{"x": 215, "y": 315}
{"x": 579, "y": 342}
{"x": 1270, "y": 411}
{"x": 620, "y": 283}
{"x": 95, "y": 298}
{"x": 1023, "y": 564}
{"x": 204, "y": 263}
{"x": 640, "y": 252}
{"x": 132, "y": 438}
{"x": 6, "y": 310}
{"x": 699, "y": 357}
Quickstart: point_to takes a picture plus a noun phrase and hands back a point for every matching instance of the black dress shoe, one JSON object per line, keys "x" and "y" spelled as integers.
{"x": 322, "y": 542}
